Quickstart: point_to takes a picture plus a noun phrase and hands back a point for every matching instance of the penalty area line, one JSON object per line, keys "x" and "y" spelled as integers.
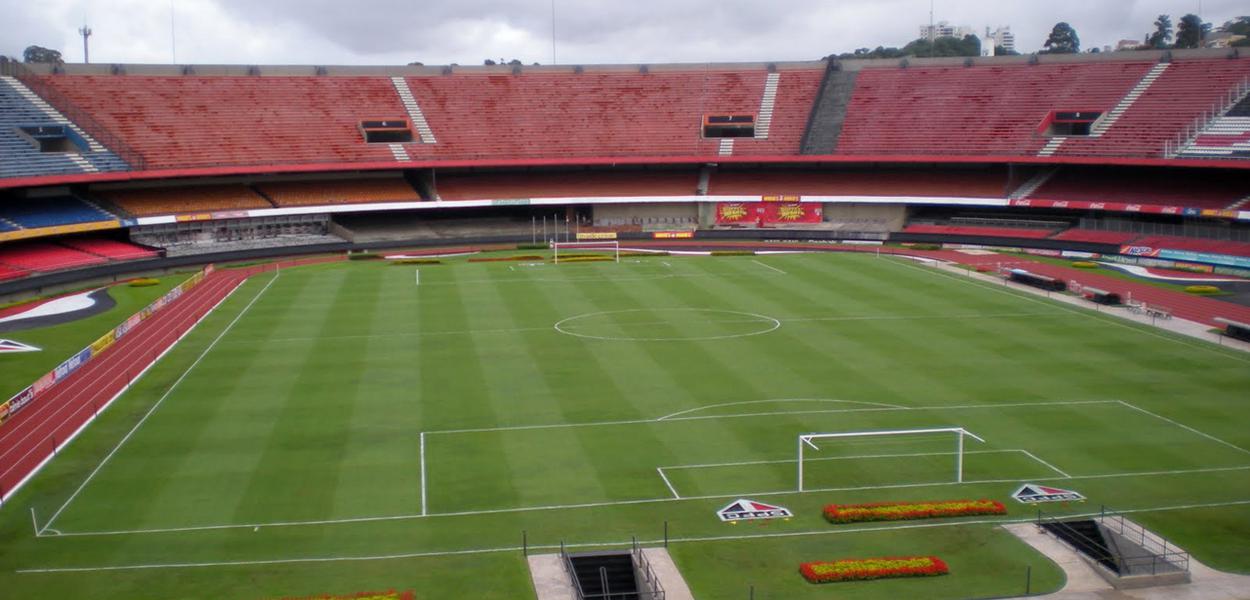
{"x": 655, "y": 542}
{"x": 769, "y": 267}
{"x": 668, "y": 483}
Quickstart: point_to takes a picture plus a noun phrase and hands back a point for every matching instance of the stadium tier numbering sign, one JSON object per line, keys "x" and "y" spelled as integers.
{"x": 750, "y": 510}
{"x": 1032, "y": 493}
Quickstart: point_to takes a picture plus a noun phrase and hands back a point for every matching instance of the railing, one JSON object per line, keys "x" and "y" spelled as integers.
{"x": 651, "y": 582}
{"x": 1191, "y": 230}
{"x": 1187, "y": 136}
{"x": 1156, "y": 553}
{"x": 76, "y": 115}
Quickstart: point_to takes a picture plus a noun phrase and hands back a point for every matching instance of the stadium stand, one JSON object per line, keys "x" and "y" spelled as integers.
{"x": 1096, "y": 236}
{"x": 1208, "y": 189}
{"x": 354, "y": 191}
{"x": 176, "y": 200}
{"x": 615, "y": 113}
{"x": 1184, "y": 91}
{"x": 979, "y": 110}
{"x": 45, "y": 256}
{"x": 970, "y": 183}
{"x": 110, "y": 249}
{"x": 21, "y": 113}
{"x": 7, "y": 273}
{"x": 188, "y": 121}
{"x": 50, "y": 212}
{"x": 1194, "y": 244}
{"x": 1228, "y": 135}
{"x": 1004, "y": 232}
{"x": 481, "y": 186}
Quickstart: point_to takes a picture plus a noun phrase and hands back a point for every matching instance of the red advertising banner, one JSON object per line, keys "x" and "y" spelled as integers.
{"x": 767, "y": 213}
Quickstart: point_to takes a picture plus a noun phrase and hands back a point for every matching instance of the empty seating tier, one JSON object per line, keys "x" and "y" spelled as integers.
{"x": 315, "y": 193}
{"x": 566, "y": 185}
{"x": 1096, "y": 237}
{"x": 7, "y": 272}
{"x": 1201, "y": 189}
{"x": 169, "y": 201}
{"x": 70, "y": 153}
{"x": 1003, "y": 232}
{"x": 979, "y": 110}
{"x": 45, "y": 256}
{"x": 986, "y": 183}
{"x": 50, "y": 212}
{"x": 110, "y": 249}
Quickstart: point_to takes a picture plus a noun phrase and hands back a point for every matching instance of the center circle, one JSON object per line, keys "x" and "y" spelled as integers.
{"x": 667, "y": 325}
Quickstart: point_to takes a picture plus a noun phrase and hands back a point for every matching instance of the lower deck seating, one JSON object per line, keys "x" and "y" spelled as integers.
{"x": 1210, "y": 189}
{"x": 1004, "y": 232}
{"x": 355, "y": 191}
{"x": 46, "y": 256}
{"x": 171, "y": 201}
{"x": 7, "y": 273}
{"x": 110, "y": 249}
{"x": 566, "y": 185}
{"x": 1096, "y": 236}
{"x": 1173, "y": 242}
{"x": 49, "y": 212}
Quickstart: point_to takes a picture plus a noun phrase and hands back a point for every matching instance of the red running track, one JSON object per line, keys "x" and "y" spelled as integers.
{"x": 32, "y": 436}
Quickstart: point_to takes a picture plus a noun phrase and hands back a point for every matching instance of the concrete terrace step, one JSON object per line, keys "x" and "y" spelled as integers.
{"x": 1103, "y": 124}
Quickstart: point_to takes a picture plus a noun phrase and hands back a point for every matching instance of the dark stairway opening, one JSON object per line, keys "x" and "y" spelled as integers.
{"x": 605, "y": 575}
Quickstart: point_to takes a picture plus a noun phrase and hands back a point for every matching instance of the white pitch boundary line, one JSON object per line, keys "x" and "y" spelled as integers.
{"x": 851, "y": 457}
{"x": 496, "y": 511}
{"x": 692, "y": 539}
{"x": 769, "y": 267}
{"x": 777, "y": 400}
{"x": 1052, "y": 467}
{"x": 668, "y": 483}
{"x": 1186, "y": 427}
{"x": 423, "y": 501}
{"x": 152, "y": 410}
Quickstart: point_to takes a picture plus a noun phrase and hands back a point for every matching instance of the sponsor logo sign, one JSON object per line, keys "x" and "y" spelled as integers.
{"x": 750, "y": 510}
{"x": 597, "y": 235}
{"x": 1032, "y": 493}
{"x": 782, "y": 198}
{"x": 672, "y": 235}
{"x": 12, "y": 346}
{"x": 1138, "y": 251}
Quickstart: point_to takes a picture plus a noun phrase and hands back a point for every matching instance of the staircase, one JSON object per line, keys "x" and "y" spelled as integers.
{"x": 414, "y": 111}
{"x": 1238, "y": 205}
{"x": 397, "y": 150}
{"x": 1030, "y": 186}
{"x": 765, "y": 118}
{"x": 1052, "y": 146}
{"x": 605, "y": 575}
{"x": 1085, "y": 536}
{"x": 824, "y": 125}
{"x": 726, "y": 147}
{"x": 1107, "y": 120}
{"x": 51, "y": 113}
{"x": 10, "y": 224}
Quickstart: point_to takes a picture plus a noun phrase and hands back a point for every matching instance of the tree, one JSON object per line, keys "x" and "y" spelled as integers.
{"x": 1062, "y": 40}
{"x": 1192, "y": 32}
{"x": 488, "y": 62}
{"x": 39, "y": 54}
{"x": 1003, "y": 51}
{"x": 1162, "y": 35}
{"x": 1238, "y": 26}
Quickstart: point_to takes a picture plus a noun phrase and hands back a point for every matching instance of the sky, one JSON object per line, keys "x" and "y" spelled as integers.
{"x": 438, "y": 32}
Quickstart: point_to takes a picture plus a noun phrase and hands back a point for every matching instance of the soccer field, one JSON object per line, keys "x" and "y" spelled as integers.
{"x": 341, "y": 428}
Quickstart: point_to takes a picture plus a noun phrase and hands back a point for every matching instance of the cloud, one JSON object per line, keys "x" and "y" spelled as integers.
{"x": 587, "y": 31}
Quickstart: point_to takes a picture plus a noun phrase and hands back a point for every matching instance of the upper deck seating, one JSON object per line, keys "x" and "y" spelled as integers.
{"x": 50, "y": 212}
{"x": 45, "y": 256}
{"x": 170, "y": 201}
{"x": 18, "y": 155}
{"x": 352, "y": 191}
{"x": 979, "y": 110}
{"x": 587, "y": 184}
{"x": 1096, "y": 236}
{"x": 972, "y": 183}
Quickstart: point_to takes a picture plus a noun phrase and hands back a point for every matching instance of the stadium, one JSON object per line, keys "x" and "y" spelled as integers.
{"x": 625, "y": 332}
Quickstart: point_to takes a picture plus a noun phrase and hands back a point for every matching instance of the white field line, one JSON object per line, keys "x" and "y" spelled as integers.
{"x": 769, "y": 267}
{"x": 81, "y": 428}
{"x": 668, "y": 483}
{"x": 1048, "y": 465}
{"x": 1097, "y": 316}
{"x": 1186, "y": 427}
{"x": 152, "y": 410}
{"x": 783, "y": 461}
{"x": 774, "y": 401}
{"x": 424, "y": 507}
{"x": 682, "y": 540}
{"x": 564, "y": 507}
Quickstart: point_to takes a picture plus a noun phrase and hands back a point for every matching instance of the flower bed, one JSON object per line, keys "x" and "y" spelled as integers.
{"x": 387, "y": 595}
{"x": 587, "y": 258}
{"x": 144, "y": 282}
{"x": 1085, "y": 264}
{"x": 902, "y": 511}
{"x": 416, "y": 261}
{"x": 1202, "y": 290}
{"x": 528, "y": 257}
{"x": 860, "y": 569}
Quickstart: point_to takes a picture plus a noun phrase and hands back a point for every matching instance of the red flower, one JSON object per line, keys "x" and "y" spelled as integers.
{"x": 895, "y": 511}
{"x": 858, "y": 569}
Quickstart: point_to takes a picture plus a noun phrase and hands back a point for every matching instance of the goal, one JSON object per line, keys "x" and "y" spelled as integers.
{"x": 808, "y": 440}
{"x": 606, "y": 247}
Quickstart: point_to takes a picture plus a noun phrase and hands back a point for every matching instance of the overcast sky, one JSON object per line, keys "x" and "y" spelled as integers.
{"x": 586, "y": 31}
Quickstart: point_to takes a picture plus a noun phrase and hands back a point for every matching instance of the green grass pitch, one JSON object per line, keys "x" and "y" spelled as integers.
{"x": 343, "y": 412}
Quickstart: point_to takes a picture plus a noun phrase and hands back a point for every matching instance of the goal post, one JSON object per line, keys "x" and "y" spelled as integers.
{"x": 607, "y": 247}
{"x": 808, "y": 440}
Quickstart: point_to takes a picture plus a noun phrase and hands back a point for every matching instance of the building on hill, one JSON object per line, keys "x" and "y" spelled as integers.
{"x": 944, "y": 29}
{"x": 1002, "y": 37}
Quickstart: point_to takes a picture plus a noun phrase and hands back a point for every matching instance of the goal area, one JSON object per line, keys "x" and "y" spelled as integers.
{"x": 953, "y": 440}
{"x": 567, "y": 251}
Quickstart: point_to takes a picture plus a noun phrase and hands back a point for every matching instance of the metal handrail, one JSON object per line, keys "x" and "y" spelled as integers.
{"x": 1187, "y": 136}
{"x": 1157, "y": 550}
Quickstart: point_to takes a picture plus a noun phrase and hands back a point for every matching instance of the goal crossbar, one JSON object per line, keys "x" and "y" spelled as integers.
{"x": 806, "y": 439}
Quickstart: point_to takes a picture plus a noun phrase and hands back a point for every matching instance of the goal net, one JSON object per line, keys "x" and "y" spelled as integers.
{"x": 570, "y": 251}
{"x": 883, "y": 457}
